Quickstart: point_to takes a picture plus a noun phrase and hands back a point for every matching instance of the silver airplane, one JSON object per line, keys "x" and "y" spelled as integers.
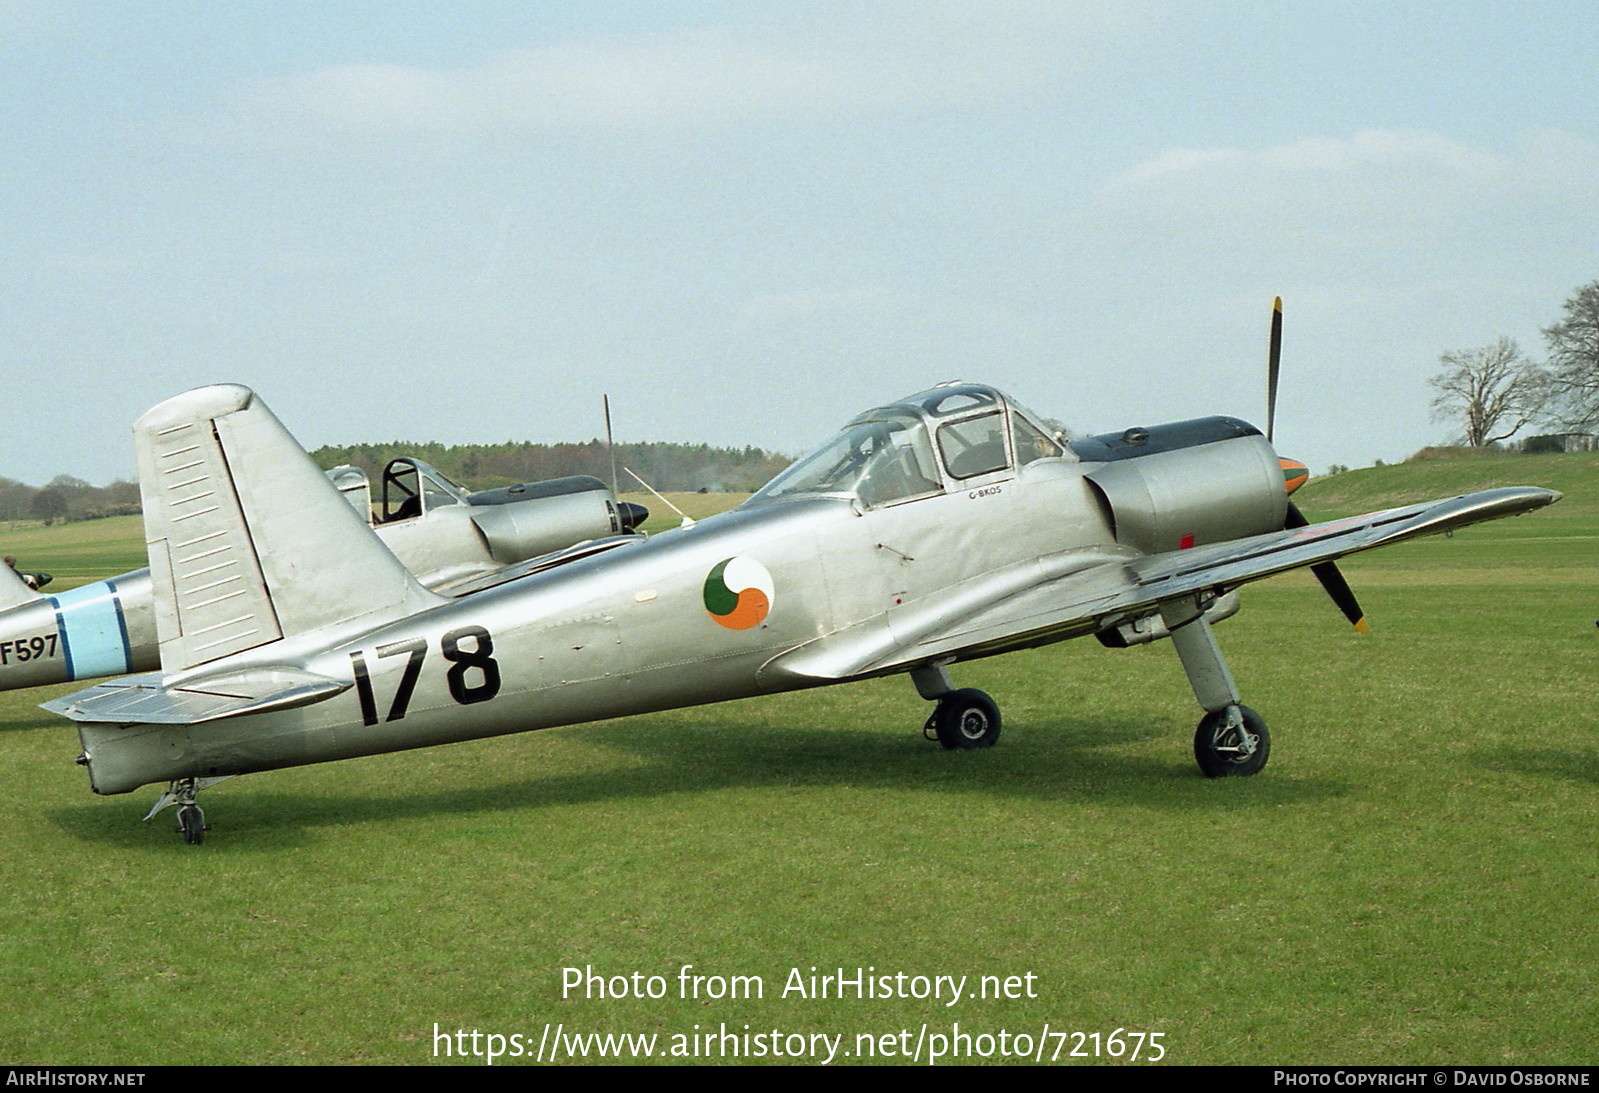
{"x": 946, "y": 526}
{"x": 440, "y": 532}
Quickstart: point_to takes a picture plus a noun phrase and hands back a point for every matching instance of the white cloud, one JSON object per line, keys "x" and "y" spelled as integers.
{"x": 1316, "y": 160}
{"x": 701, "y": 76}
{"x": 879, "y": 56}
{"x": 1375, "y": 176}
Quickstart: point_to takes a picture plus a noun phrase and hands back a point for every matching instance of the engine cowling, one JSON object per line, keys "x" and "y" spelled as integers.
{"x": 535, "y": 518}
{"x": 1171, "y": 487}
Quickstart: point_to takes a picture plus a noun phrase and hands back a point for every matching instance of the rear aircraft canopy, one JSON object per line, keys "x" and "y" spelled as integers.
{"x": 412, "y": 487}
{"x": 955, "y": 436}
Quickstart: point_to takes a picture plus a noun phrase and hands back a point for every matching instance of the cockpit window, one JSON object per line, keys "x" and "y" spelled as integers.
{"x": 1030, "y": 444}
{"x": 411, "y": 487}
{"x": 881, "y": 457}
{"x": 974, "y": 446}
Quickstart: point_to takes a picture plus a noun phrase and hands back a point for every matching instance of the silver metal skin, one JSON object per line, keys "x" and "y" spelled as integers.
{"x": 947, "y": 526}
{"x": 107, "y": 628}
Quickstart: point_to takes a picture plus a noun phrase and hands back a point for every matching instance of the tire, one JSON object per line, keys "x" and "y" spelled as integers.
{"x": 966, "y": 719}
{"x": 1215, "y": 745}
{"x": 191, "y": 825}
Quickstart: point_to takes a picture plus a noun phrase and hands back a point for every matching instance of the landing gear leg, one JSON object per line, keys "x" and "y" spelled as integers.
{"x": 1231, "y": 739}
{"x": 191, "y": 818}
{"x": 963, "y": 719}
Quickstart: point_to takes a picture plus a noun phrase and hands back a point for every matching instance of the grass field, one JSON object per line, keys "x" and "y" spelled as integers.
{"x": 1412, "y": 879}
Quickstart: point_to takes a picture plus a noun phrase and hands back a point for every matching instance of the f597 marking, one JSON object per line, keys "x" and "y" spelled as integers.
{"x": 26, "y": 649}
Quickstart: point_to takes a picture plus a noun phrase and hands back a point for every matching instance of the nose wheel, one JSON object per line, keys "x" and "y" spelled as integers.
{"x": 1231, "y": 741}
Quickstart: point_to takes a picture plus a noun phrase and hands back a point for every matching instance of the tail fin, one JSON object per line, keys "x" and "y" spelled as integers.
{"x": 249, "y": 542}
{"x": 14, "y": 591}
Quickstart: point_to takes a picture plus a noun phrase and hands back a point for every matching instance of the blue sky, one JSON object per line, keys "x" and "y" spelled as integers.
{"x": 748, "y": 221}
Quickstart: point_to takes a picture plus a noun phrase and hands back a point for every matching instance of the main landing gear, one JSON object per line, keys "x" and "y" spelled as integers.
{"x": 1231, "y": 741}
{"x": 963, "y": 719}
{"x": 1231, "y": 738}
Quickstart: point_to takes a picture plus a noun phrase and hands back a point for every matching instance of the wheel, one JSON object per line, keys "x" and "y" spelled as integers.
{"x": 191, "y": 824}
{"x": 967, "y": 718}
{"x": 1223, "y": 747}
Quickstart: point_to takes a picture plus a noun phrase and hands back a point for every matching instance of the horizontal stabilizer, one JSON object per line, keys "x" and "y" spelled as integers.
{"x": 144, "y": 700}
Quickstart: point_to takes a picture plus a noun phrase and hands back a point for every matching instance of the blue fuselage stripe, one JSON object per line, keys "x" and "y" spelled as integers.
{"x": 94, "y": 633}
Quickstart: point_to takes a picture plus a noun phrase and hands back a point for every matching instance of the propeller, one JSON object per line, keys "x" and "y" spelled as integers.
{"x": 1328, "y": 573}
{"x": 1274, "y": 360}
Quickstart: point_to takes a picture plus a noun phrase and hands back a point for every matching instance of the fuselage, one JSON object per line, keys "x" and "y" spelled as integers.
{"x": 99, "y": 629}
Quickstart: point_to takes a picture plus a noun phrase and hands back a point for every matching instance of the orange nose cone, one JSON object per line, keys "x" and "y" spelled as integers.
{"x": 1295, "y": 474}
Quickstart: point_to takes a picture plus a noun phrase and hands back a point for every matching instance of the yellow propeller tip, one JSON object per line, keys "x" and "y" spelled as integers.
{"x": 1362, "y": 627}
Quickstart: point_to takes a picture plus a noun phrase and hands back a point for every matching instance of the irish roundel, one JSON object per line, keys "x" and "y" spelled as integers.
{"x": 738, "y": 593}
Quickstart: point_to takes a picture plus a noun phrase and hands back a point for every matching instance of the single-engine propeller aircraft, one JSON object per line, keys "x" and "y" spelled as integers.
{"x": 440, "y": 532}
{"x": 946, "y": 526}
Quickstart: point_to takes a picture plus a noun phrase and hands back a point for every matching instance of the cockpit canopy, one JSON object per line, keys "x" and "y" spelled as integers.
{"x": 411, "y": 487}
{"x": 948, "y": 438}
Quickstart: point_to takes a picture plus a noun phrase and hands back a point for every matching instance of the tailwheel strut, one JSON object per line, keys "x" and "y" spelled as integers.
{"x": 181, "y": 792}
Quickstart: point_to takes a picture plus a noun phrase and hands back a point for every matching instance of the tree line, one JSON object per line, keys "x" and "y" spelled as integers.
{"x": 66, "y": 498}
{"x": 1495, "y": 391}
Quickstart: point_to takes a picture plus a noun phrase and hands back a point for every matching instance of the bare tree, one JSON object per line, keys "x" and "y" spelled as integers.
{"x": 1574, "y": 361}
{"x": 1493, "y": 391}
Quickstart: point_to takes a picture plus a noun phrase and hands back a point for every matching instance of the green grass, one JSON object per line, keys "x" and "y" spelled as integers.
{"x": 696, "y": 506}
{"x": 1410, "y": 880}
{"x": 1381, "y": 487}
{"x": 75, "y": 554}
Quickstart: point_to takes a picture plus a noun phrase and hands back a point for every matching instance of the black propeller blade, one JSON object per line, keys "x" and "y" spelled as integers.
{"x": 1328, "y": 573}
{"x": 1274, "y": 361}
{"x": 1332, "y": 579}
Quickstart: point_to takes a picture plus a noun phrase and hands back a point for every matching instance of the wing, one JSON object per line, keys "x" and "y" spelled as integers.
{"x": 1232, "y": 564}
{"x": 1069, "y": 595}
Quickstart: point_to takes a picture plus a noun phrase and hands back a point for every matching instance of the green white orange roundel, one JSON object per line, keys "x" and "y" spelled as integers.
{"x": 738, "y": 593}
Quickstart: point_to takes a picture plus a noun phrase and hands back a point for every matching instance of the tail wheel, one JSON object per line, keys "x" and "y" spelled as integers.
{"x": 191, "y": 824}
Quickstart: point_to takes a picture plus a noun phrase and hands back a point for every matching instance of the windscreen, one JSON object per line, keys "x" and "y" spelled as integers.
{"x": 877, "y": 459}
